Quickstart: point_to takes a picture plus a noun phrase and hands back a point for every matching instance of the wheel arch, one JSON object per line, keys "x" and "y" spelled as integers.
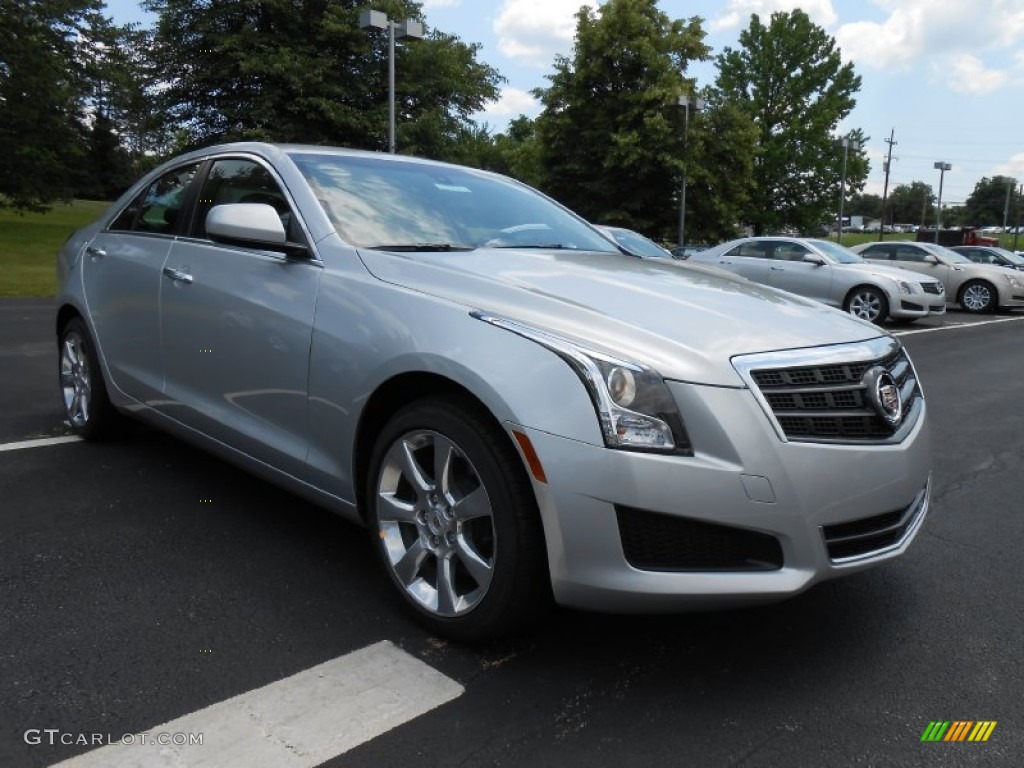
{"x": 64, "y": 315}
{"x": 389, "y": 398}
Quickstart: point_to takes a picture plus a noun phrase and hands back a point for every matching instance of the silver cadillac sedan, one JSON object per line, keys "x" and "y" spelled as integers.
{"x": 514, "y": 411}
{"x": 830, "y": 273}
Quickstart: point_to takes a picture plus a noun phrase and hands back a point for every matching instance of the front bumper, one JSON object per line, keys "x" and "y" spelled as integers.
{"x": 743, "y": 477}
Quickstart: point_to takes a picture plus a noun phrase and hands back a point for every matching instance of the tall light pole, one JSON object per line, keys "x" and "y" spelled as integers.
{"x": 941, "y": 167}
{"x": 847, "y": 144}
{"x": 698, "y": 104}
{"x": 407, "y": 29}
{"x": 1010, "y": 184}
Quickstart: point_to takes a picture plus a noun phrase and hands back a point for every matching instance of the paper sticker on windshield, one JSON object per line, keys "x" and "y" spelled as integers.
{"x": 450, "y": 187}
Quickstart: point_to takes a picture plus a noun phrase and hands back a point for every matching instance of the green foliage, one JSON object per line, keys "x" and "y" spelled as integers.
{"x": 788, "y": 77}
{"x": 610, "y": 138}
{"x": 43, "y": 82}
{"x": 29, "y": 244}
{"x": 986, "y": 205}
{"x": 911, "y": 204}
{"x": 303, "y": 71}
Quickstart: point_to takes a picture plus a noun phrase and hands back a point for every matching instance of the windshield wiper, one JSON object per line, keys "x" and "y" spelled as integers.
{"x": 555, "y": 246}
{"x": 422, "y": 247}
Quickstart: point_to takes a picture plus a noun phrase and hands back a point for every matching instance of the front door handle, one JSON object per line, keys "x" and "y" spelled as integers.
{"x": 95, "y": 253}
{"x": 777, "y": 269}
{"x": 177, "y": 275}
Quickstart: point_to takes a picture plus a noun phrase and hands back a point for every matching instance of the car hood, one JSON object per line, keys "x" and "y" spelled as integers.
{"x": 685, "y": 323}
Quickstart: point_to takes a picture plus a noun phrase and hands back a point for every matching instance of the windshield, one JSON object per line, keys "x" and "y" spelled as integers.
{"x": 837, "y": 253}
{"x": 637, "y": 244}
{"x": 407, "y": 205}
{"x": 1010, "y": 256}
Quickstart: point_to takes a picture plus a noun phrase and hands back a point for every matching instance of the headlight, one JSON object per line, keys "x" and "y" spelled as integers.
{"x": 634, "y": 407}
{"x": 1014, "y": 281}
{"x": 906, "y": 287}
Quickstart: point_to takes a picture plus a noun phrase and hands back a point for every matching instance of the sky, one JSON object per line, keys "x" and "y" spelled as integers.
{"x": 947, "y": 76}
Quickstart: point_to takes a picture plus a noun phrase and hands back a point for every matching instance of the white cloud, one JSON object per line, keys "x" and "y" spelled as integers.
{"x": 1014, "y": 168}
{"x": 916, "y": 29}
{"x": 967, "y": 74}
{"x": 430, "y": 5}
{"x": 737, "y": 12}
{"x": 512, "y": 103}
{"x": 535, "y": 30}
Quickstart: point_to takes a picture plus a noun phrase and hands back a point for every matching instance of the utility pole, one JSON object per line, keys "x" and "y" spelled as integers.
{"x": 1006, "y": 206}
{"x": 885, "y": 190}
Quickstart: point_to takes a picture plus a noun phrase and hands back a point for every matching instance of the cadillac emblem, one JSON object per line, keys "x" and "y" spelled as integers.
{"x": 884, "y": 394}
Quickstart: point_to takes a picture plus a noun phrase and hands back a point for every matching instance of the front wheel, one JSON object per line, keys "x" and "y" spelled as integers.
{"x": 87, "y": 407}
{"x": 455, "y": 522}
{"x": 978, "y": 296}
{"x": 867, "y": 303}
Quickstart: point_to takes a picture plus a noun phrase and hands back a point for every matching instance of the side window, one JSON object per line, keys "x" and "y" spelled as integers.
{"x": 876, "y": 252}
{"x": 910, "y": 254}
{"x": 241, "y": 181}
{"x": 158, "y": 207}
{"x": 789, "y": 251}
{"x": 756, "y": 249}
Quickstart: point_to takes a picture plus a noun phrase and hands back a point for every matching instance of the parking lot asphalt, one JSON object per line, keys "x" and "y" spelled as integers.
{"x": 142, "y": 580}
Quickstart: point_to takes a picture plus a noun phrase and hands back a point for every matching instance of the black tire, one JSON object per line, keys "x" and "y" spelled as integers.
{"x": 867, "y": 303}
{"x": 978, "y": 297}
{"x": 87, "y": 407}
{"x": 469, "y": 562}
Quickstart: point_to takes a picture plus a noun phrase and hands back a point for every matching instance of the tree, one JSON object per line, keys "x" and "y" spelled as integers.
{"x": 518, "y": 152}
{"x": 788, "y": 77}
{"x": 303, "y": 71}
{"x": 912, "y": 204}
{"x": 43, "y": 88}
{"x": 988, "y": 204}
{"x": 611, "y": 133}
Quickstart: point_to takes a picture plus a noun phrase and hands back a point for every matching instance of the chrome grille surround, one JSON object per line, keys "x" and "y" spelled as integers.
{"x": 819, "y": 394}
{"x": 869, "y": 537}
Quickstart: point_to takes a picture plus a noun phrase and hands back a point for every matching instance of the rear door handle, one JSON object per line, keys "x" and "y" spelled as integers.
{"x": 94, "y": 252}
{"x": 177, "y": 275}
{"x": 777, "y": 269}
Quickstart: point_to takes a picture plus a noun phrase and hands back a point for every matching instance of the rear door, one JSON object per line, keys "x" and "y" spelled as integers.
{"x": 749, "y": 258}
{"x": 237, "y": 324}
{"x": 121, "y": 280}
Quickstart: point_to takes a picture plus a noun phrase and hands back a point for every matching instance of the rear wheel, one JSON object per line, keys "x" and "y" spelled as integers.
{"x": 87, "y": 407}
{"x": 978, "y": 296}
{"x": 867, "y": 303}
{"x": 455, "y": 523}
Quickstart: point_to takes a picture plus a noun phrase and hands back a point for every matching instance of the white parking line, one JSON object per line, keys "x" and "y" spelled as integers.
{"x": 41, "y": 442}
{"x": 299, "y": 722}
{"x": 958, "y": 325}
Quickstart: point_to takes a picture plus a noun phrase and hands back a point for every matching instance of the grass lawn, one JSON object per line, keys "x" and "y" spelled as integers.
{"x": 29, "y": 244}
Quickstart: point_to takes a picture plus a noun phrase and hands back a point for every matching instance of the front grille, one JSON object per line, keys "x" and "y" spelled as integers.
{"x": 868, "y": 535}
{"x": 936, "y": 288}
{"x": 911, "y": 306}
{"x": 830, "y": 402}
{"x": 657, "y": 542}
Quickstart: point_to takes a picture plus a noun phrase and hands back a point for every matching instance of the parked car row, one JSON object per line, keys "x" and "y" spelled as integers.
{"x": 512, "y": 407}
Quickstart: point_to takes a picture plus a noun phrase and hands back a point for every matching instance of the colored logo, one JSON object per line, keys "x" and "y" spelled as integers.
{"x": 958, "y": 730}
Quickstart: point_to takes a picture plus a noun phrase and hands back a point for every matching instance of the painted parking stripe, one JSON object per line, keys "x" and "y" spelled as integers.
{"x": 41, "y": 442}
{"x": 953, "y": 326}
{"x": 299, "y": 722}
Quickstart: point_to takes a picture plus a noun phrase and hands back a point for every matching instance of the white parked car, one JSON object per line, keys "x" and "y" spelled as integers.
{"x": 831, "y": 274}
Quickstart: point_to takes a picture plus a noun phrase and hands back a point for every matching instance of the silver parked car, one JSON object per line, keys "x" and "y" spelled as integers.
{"x": 975, "y": 287}
{"x": 512, "y": 408}
{"x": 829, "y": 273}
{"x": 990, "y": 254}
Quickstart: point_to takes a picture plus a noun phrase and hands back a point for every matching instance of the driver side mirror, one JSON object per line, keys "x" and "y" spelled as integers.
{"x": 813, "y": 258}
